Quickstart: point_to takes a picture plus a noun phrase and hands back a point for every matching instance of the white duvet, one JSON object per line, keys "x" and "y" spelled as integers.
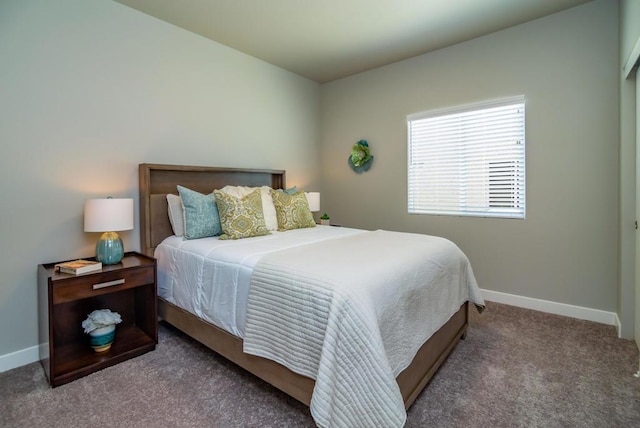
{"x": 210, "y": 278}
{"x": 351, "y": 313}
{"x": 331, "y": 311}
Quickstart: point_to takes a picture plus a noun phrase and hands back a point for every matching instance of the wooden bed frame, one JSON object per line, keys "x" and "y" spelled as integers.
{"x": 158, "y": 180}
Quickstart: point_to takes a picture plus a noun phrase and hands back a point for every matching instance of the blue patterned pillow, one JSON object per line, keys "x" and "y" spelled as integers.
{"x": 201, "y": 217}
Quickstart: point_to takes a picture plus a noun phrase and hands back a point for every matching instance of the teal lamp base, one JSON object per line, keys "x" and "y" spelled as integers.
{"x": 109, "y": 249}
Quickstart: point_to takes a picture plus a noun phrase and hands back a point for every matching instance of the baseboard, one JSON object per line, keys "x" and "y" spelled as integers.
{"x": 618, "y": 325}
{"x": 30, "y": 355}
{"x": 19, "y": 358}
{"x": 588, "y": 314}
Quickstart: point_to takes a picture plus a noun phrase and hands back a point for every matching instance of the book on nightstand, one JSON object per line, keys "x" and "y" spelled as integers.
{"x": 76, "y": 267}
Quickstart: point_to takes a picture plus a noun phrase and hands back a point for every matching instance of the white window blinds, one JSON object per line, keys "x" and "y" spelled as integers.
{"x": 468, "y": 161}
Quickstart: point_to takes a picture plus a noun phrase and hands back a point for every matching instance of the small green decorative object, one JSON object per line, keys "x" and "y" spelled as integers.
{"x": 360, "y": 159}
{"x": 324, "y": 220}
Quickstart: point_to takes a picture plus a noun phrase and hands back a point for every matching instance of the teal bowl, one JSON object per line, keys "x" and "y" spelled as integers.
{"x": 102, "y": 338}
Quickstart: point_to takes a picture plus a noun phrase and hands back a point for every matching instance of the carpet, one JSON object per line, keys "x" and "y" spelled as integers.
{"x": 517, "y": 368}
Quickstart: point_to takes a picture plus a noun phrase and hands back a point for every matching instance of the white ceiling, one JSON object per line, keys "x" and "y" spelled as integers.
{"x": 325, "y": 40}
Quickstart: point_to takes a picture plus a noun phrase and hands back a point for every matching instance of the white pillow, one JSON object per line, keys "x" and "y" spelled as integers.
{"x": 268, "y": 209}
{"x": 176, "y": 214}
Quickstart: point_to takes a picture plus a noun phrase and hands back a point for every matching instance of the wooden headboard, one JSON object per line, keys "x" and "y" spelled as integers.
{"x": 156, "y": 180}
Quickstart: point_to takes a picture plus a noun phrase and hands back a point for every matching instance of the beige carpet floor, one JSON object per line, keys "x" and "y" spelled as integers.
{"x": 517, "y": 368}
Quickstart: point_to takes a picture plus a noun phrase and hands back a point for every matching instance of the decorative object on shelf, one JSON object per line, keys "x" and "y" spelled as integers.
{"x": 324, "y": 220}
{"x": 360, "y": 159}
{"x": 100, "y": 325}
{"x": 102, "y": 338}
{"x": 109, "y": 216}
{"x": 313, "y": 198}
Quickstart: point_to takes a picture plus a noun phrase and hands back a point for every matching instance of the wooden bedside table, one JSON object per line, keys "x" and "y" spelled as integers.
{"x": 65, "y": 300}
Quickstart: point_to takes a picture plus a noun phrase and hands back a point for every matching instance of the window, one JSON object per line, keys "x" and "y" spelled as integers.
{"x": 468, "y": 161}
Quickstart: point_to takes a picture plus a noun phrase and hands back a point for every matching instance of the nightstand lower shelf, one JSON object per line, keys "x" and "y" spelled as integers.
{"x": 79, "y": 359}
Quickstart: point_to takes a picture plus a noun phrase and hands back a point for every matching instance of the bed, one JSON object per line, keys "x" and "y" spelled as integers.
{"x": 156, "y": 181}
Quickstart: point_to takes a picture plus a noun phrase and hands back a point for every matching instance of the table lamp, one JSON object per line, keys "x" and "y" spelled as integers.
{"x": 313, "y": 198}
{"x": 109, "y": 216}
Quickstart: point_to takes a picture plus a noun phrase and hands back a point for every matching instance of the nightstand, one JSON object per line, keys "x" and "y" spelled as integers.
{"x": 65, "y": 300}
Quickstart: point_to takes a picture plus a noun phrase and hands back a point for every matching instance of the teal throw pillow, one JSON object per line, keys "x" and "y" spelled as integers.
{"x": 291, "y": 191}
{"x": 201, "y": 218}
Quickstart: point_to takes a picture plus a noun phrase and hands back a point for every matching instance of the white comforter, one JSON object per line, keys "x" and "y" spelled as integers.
{"x": 351, "y": 313}
{"x": 210, "y": 278}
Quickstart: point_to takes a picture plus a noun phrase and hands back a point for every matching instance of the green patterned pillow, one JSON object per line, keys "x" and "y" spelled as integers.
{"x": 200, "y": 214}
{"x": 241, "y": 218}
{"x": 292, "y": 210}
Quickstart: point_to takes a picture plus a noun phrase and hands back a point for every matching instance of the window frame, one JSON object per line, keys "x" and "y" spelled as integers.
{"x": 512, "y": 179}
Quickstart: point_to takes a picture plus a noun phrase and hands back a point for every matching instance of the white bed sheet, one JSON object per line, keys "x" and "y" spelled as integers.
{"x": 210, "y": 278}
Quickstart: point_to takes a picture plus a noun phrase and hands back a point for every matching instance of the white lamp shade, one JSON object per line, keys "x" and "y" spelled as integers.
{"x": 313, "y": 198}
{"x": 108, "y": 215}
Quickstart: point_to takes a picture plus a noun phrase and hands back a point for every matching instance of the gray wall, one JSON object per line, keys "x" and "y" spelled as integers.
{"x": 89, "y": 89}
{"x": 567, "y": 67}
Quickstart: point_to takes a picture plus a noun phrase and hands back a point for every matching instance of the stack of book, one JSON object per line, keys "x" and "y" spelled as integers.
{"x": 77, "y": 267}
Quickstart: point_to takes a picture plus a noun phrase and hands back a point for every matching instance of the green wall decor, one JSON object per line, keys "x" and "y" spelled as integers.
{"x": 360, "y": 159}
